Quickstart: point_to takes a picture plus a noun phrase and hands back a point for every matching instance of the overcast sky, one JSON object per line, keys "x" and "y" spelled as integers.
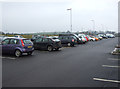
{"x": 52, "y": 15}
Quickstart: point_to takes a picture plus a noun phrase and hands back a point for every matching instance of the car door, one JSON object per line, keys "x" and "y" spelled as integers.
{"x": 13, "y": 44}
{"x": 38, "y": 43}
{"x": 45, "y": 43}
{"x": 6, "y": 46}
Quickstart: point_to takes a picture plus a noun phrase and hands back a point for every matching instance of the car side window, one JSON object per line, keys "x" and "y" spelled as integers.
{"x": 5, "y": 42}
{"x": 45, "y": 40}
{"x": 39, "y": 40}
{"x": 13, "y": 41}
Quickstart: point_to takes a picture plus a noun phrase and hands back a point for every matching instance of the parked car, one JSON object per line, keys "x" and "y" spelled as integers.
{"x": 79, "y": 40}
{"x": 35, "y": 37}
{"x": 96, "y": 38}
{"x": 47, "y": 43}
{"x": 110, "y": 35}
{"x": 17, "y": 46}
{"x": 100, "y": 38}
{"x": 83, "y": 36}
{"x": 91, "y": 38}
{"x": 69, "y": 40}
{"x": 103, "y": 36}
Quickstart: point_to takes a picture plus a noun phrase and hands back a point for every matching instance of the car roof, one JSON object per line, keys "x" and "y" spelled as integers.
{"x": 14, "y": 38}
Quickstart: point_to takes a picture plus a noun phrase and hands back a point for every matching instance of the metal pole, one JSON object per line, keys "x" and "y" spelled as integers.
{"x": 71, "y": 19}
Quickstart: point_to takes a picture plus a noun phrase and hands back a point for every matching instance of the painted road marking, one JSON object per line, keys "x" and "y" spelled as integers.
{"x": 110, "y": 66}
{"x": 113, "y": 59}
{"x": 106, "y": 80}
{"x": 7, "y": 57}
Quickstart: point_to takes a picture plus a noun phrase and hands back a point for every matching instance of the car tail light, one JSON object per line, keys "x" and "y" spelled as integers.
{"x": 22, "y": 43}
{"x": 72, "y": 40}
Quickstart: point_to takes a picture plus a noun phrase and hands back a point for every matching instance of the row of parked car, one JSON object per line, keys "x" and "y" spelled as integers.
{"x": 18, "y": 45}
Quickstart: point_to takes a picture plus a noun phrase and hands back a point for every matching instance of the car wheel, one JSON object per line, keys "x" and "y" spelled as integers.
{"x": 49, "y": 48}
{"x": 69, "y": 44}
{"x": 29, "y": 53}
{"x": 18, "y": 53}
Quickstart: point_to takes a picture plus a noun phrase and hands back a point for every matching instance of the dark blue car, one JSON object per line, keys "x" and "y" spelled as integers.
{"x": 17, "y": 46}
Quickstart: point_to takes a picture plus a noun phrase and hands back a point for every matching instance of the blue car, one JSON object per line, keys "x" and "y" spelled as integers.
{"x": 17, "y": 46}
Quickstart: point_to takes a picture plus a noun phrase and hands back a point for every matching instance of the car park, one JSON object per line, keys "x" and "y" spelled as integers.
{"x": 47, "y": 43}
{"x": 67, "y": 39}
{"x": 17, "y": 46}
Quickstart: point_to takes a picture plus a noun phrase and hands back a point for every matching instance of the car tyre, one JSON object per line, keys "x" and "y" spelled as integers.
{"x": 69, "y": 44}
{"x": 18, "y": 53}
{"x": 49, "y": 48}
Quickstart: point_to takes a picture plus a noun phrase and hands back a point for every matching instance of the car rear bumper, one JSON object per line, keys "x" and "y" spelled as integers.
{"x": 27, "y": 50}
{"x": 55, "y": 47}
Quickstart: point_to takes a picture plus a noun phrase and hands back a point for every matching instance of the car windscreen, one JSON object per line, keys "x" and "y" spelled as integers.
{"x": 27, "y": 41}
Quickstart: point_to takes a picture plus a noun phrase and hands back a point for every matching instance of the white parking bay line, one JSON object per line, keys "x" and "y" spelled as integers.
{"x": 110, "y": 66}
{"x": 113, "y": 59}
{"x": 7, "y": 57}
{"x": 106, "y": 80}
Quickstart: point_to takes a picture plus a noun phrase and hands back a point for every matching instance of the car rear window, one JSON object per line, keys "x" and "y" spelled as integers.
{"x": 26, "y": 41}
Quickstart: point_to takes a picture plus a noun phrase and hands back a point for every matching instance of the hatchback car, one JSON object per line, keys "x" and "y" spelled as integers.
{"x": 79, "y": 40}
{"x": 91, "y": 38}
{"x": 47, "y": 43}
{"x": 69, "y": 40}
{"x": 83, "y": 36}
{"x": 17, "y": 46}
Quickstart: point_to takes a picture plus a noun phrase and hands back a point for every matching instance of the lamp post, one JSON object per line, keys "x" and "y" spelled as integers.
{"x": 70, "y": 9}
{"x": 93, "y": 24}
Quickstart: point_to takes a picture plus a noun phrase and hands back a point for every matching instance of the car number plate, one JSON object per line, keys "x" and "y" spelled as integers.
{"x": 29, "y": 46}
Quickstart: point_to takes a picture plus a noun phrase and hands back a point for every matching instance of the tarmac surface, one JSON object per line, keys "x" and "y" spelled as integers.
{"x": 87, "y": 65}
